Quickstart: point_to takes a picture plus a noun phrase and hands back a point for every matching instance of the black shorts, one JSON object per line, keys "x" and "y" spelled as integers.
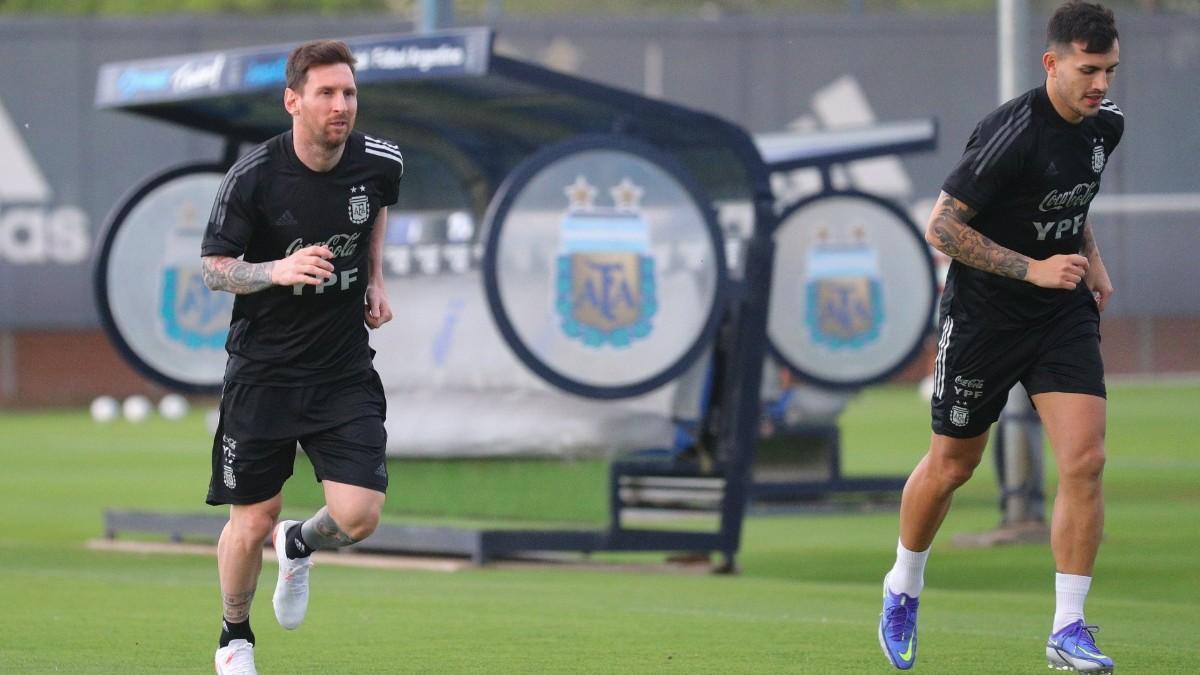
{"x": 978, "y": 364}
{"x": 338, "y": 424}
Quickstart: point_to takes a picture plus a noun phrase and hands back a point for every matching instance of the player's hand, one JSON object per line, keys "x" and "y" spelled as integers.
{"x": 1099, "y": 284}
{"x": 310, "y": 265}
{"x": 377, "y": 310}
{"x": 1058, "y": 271}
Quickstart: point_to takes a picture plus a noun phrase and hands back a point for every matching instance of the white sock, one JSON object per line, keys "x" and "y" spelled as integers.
{"x": 1070, "y": 592}
{"x": 908, "y": 574}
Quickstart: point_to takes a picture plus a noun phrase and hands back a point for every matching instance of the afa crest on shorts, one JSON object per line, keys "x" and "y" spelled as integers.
{"x": 959, "y": 416}
{"x": 843, "y": 295}
{"x": 605, "y": 277}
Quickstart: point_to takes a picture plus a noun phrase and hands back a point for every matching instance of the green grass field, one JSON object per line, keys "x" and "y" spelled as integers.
{"x": 806, "y": 600}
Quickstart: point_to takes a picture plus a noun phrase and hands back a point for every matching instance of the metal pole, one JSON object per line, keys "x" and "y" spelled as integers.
{"x": 434, "y": 15}
{"x": 1017, "y": 444}
{"x": 1019, "y": 447}
{"x": 1012, "y": 33}
{"x": 8, "y": 367}
{"x": 493, "y": 11}
{"x": 1019, "y": 451}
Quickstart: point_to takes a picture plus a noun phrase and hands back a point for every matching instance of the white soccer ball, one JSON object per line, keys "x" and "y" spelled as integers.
{"x": 925, "y": 388}
{"x": 173, "y": 406}
{"x": 136, "y": 408}
{"x": 212, "y": 418}
{"x": 104, "y": 408}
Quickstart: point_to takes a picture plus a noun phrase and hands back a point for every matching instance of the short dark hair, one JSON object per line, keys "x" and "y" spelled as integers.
{"x": 315, "y": 53}
{"x": 1087, "y": 22}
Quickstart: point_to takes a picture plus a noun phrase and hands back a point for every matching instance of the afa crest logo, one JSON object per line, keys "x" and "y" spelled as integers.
{"x": 1098, "y": 157}
{"x": 190, "y": 314}
{"x": 959, "y": 416}
{"x": 843, "y": 294}
{"x": 359, "y": 208}
{"x": 605, "y": 281}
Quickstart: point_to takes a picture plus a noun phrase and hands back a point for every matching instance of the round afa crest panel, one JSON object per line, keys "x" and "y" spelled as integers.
{"x": 603, "y": 267}
{"x": 150, "y": 284}
{"x": 853, "y": 290}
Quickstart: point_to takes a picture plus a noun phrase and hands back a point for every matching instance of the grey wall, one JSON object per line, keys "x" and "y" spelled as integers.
{"x": 760, "y": 72}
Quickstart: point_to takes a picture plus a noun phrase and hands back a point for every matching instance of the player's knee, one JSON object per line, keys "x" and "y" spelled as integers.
{"x": 255, "y": 525}
{"x": 957, "y": 474}
{"x": 954, "y": 471}
{"x": 359, "y": 526}
{"x": 1085, "y": 463}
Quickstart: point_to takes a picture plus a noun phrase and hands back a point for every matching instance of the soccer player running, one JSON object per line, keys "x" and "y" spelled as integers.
{"x": 1022, "y": 304}
{"x": 306, "y": 213}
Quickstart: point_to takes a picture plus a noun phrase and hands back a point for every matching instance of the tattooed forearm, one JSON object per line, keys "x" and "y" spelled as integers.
{"x": 951, "y": 235}
{"x": 322, "y": 532}
{"x": 222, "y": 273}
{"x": 237, "y": 605}
{"x": 1090, "y": 249}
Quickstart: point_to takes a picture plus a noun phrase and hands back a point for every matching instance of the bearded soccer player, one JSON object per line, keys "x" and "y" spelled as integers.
{"x": 1022, "y": 304}
{"x": 297, "y": 234}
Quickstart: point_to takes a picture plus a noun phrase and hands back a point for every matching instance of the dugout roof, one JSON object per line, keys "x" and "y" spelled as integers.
{"x": 447, "y": 98}
{"x": 463, "y": 113}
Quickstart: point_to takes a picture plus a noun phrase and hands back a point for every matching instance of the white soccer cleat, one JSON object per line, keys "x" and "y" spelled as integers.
{"x": 291, "y": 591}
{"x": 236, "y": 659}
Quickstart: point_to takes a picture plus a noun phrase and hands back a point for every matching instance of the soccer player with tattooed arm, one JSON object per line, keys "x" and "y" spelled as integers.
{"x": 297, "y": 232}
{"x": 1022, "y": 303}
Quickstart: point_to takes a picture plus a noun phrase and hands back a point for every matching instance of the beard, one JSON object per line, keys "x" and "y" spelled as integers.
{"x": 334, "y": 136}
{"x": 1085, "y": 109}
{"x": 331, "y": 137}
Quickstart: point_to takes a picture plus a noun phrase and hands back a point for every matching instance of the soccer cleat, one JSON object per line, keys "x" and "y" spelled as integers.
{"x": 291, "y": 590}
{"x": 1074, "y": 648}
{"x": 236, "y": 659}
{"x": 898, "y": 628}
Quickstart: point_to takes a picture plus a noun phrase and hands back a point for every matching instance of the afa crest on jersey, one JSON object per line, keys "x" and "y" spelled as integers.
{"x": 191, "y": 314}
{"x": 605, "y": 277}
{"x": 360, "y": 205}
{"x": 843, "y": 295}
{"x": 1098, "y": 158}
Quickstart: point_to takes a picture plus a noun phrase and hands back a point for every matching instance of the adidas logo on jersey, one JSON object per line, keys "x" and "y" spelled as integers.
{"x": 286, "y": 220}
{"x": 1051, "y": 170}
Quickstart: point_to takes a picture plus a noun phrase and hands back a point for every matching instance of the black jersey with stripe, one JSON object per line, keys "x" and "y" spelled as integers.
{"x": 270, "y": 205}
{"x": 1030, "y": 176}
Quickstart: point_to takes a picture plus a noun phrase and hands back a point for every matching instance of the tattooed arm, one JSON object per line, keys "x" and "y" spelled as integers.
{"x": 222, "y": 273}
{"x": 309, "y": 265}
{"x": 948, "y": 232}
{"x": 1097, "y": 276}
{"x": 1090, "y": 249}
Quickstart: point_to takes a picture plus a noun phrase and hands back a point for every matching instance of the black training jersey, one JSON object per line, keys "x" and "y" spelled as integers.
{"x": 1030, "y": 176}
{"x": 269, "y": 206}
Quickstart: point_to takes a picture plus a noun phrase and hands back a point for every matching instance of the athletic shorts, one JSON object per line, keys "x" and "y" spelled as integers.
{"x": 978, "y": 364}
{"x": 338, "y": 424}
